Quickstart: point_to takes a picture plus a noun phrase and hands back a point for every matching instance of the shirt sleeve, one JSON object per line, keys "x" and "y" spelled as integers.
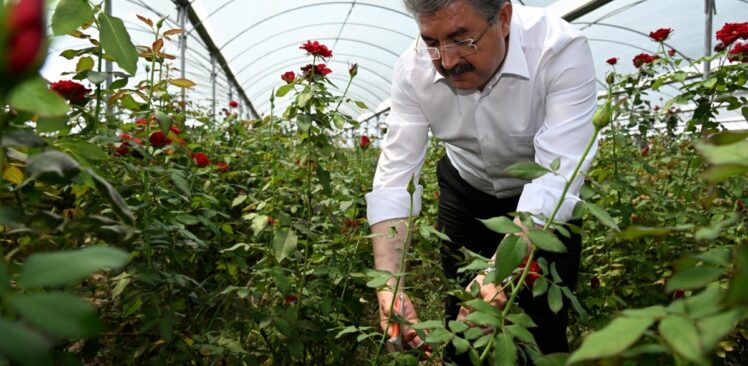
{"x": 403, "y": 153}
{"x": 571, "y": 101}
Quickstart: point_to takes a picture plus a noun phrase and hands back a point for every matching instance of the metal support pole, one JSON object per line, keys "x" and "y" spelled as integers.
{"x": 108, "y": 67}
{"x": 710, "y": 10}
{"x": 182, "y": 16}
{"x": 213, "y": 77}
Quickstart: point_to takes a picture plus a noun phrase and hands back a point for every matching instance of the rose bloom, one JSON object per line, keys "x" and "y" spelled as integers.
{"x": 233, "y": 104}
{"x": 200, "y": 159}
{"x": 174, "y": 129}
{"x": 643, "y": 59}
{"x": 612, "y": 61}
{"x": 739, "y": 52}
{"x": 731, "y": 32}
{"x": 661, "y": 34}
{"x": 26, "y": 33}
{"x": 364, "y": 142}
{"x": 319, "y": 69}
{"x": 74, "y": 92}
{"x": 222, "y": 167}
{"x": 671, "y": 52}
{"x": 288, "y": 77}
{"x": 158, "y": 139}
{"x": 317, "y": 49}
{"x": 534, "y": 272}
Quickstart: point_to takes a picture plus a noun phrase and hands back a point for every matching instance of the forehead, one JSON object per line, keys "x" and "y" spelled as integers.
{"x": 457, "y": 17}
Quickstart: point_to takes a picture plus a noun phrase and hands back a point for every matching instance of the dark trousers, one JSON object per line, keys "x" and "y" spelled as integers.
{"x": 460, "y": 205}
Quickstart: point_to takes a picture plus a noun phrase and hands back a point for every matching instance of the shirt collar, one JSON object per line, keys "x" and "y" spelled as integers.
{"x": 514, "y": 62}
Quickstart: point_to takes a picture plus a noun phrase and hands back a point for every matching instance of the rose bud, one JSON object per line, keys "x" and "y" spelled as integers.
{"x": 25, "y": 46}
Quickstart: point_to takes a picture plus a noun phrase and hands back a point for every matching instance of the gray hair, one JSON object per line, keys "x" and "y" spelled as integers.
{"x": 488, "y": 8}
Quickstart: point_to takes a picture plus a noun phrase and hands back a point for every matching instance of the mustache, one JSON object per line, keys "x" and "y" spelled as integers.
{"x": 457, "y": 69}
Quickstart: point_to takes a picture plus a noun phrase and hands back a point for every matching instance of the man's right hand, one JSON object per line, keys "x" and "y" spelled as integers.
{"x": 409, "y": 336}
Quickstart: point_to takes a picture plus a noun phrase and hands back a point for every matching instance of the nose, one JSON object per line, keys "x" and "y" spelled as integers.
{"x": 448, "y": 60}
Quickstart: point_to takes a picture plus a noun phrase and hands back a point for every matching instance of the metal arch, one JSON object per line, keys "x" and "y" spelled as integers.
{"x": 637, "y": 32}
{"x": 317, "y": 25}
{"x": 619, "y": 42}
{"x": 308, "y": 6}
{"x": 253, "y": 78}
{"x": 295, "y": 43}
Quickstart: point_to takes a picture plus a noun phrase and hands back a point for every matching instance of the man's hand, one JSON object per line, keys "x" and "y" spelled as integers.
{"x": 409, "y": 337}
{"x": 488, "y": 293}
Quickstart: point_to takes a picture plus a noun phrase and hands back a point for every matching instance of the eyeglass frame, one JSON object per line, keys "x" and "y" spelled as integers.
{"x": 471, "y": 42}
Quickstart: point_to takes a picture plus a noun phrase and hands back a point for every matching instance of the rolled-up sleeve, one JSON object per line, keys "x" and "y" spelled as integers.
{"x": 570, "y": 104}
{"x": 403, "y": 153}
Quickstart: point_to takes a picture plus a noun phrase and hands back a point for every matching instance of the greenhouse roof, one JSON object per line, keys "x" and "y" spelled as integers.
{"x": 258, "y": 41}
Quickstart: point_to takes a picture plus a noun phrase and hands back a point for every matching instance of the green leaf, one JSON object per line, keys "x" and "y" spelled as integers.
{"x": 682, "y": 336}
{"x": 634, "y": 232}
{"x": 118, "y": 204}
{"x": 238, "y": 200}
{"x": 69, "y": 15}
{"x": 19, "y": 138}
{"x": 181, "y": 183}
{"x": 457, "y": 326}
{"x": 539, "y": 287}
{"x": 439, "y": 336}
{"x": 284, "y": 243}
{"x": 303, "y": 98}
{"x": 58, "y": 313}
{"x": 527, "y": 170}
{"x": 84, "y": 151}
{"x": 23, "y": 346}
{"x": 51, "y": 124}
{"x": 461, "y": 345}
{"x": 116, "y": 42}
{"x": 728, "y": 137}
{"x": 615, "y": 338}
{"x": 505, "y": 353}
{"x": 715, "y": 327}
{"x": 96, "y": 77}
{"x": 361, "y": 104}
{"x": 473, "y": 333}
{"x": 555, "y": 300}
{"x": 555, "y": 164}
{"x": 521, "y": 333}
{"x": 68, "y": 267}
{"x": 34, "y": 96}
{"x": 4, "y": 279}
{"x": 283, "y": 90}
{"x": 715, "y": 256}
{"x": 282, "y": 282}
{"x": 575, "y": 303}
{"x": 602, "y": 215}
{"x": 554, "y": 359}
{"x": 721, "y": 172}
{"x": 502, "y": 225}
{"x": 429, "y": 324}
{"x": 509, "y": 255}
{"x": 735, "y": 153}
{"x": 693, "y": 278}
{"x": 164, "y": 122}
{"x": 182, "y": 83}
{"x": 85, "y": 64}
{"x": 483, "y": 306}
{"x": 654, "y": 312}
{"x": 521, "y": 319}
{"x": 481, "y": 318}
{"x": 324, "y": 179}
{"x": 428, "y": 230}
{"x": 738, "y": 290}
{"x": 52, "y": 166}
{"x": 546, "y": 241}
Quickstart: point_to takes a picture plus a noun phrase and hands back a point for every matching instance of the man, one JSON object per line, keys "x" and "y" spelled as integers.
{"x": 498, "y": 84}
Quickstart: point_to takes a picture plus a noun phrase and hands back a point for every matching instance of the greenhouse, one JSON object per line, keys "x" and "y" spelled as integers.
{"x": 395, "y": 182}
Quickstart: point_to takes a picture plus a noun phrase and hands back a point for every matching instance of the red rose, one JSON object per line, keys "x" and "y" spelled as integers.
{"x": 290, "y": 299}
{"x": 26, "y": 33}
{"x": 656, "y": 108}
{"x": 731, "y": 32}
{"x": 671, "y": 52}
{"x": 661, "y": 34}
{"x": 122, "y": 150}
{"x": 288, "y": 77}
{"x": 200, "y": 159}
{"x": 141, "y": 121}
{"x": 595, "y": 283}
{"x": 719, "y": 47}
{"x": 643, "y": 59}
{"x": 739, "y": 52}
{"x": 316, "y": 49}
{"x": 319, "y": 69}
{"x": 612, "y": 61}
{"x": 176, "y": 130}
{"x": 645, "y": 150}
{"x": 222, "y": 167}
{"x": 678, "y": 294}
{"x": 271, "y": 221}
{"x": 364, "y": 142}
{"x": 534, "y": 272}
{"x": 158, "y": 139}
{"x": 74, "y": 92}
{"x": 233, "y": 104}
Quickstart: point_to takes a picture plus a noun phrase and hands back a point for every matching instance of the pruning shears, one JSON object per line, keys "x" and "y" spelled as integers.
{"x": 395, "y": 344}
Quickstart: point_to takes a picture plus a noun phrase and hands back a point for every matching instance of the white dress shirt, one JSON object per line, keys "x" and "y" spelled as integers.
{"x": 539, "y": 105}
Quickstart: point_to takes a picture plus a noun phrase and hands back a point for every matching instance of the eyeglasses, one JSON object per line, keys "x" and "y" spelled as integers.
{"x": 457, "y": 49}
